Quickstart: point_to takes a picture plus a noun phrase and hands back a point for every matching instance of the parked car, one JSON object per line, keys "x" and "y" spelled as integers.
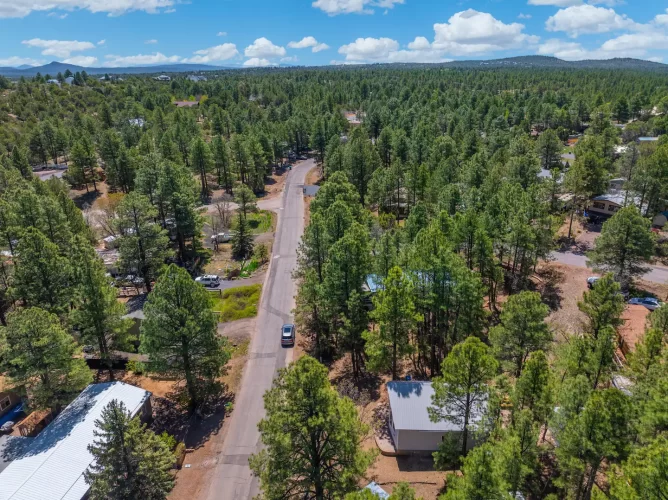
{"x": 288, "y": 335}
{"x": 131, "y": 279}
{"x": 7, "y": 427}
{"x": 221, "y": 238}
{"x": 591, "y": 281}
{"x": 208, "y": 280}
{"x": 649, "y": 302}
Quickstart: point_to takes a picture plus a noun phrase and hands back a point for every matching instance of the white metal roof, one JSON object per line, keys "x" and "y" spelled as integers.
{"x": 375, "y": 488}
{"x": 52, "y": 466}
{"x": 409, "y": 402}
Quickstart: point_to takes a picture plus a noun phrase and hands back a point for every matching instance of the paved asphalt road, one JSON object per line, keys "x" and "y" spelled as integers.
{"x": 232, "y": 479}
{"x": 656, "y": 274}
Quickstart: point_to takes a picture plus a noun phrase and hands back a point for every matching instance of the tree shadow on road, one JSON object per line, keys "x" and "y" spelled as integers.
{"x": 172, "y": 415}
{"x": 549, "y": 287}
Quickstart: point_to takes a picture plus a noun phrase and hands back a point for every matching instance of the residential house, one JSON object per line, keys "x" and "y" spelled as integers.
{"x": 185, "y": 104}
{"x": 645, "y": 140}
{"x": 660, "y": 219}
{"x": 52, "y": 465}
{"x": 354, "y": 117}
{"x": 607, "y": 204}
{"x": 53, "y": 81}
{"x": 69, "y": 80}
{"x": 8, "y": 399}
{"x": 411, "y": 428}
{"x": 616, "y": 184}
{"x": 379, "y": 492}
{"x": 110, "y": 258}
{"x": 620, "y": 150}
{"x": 162, "y": 78}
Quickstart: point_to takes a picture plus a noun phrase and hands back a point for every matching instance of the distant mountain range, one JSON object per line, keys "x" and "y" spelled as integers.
{"x": 54, "y": 68}
{"x": 512, "y": 62}
{"x": 553, "y": 62}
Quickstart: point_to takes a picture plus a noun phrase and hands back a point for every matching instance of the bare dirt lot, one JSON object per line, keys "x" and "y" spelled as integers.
{"x": 633, "y": 329}
{"x": 562, "y": 287}
{"x": 582, "y": 234}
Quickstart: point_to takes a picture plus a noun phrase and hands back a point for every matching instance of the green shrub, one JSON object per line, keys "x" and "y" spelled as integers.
{"x": 168, "y": 439}
{"x": 238, "y": 303}
{"x": 262, "y": 253}
{"x": 260, "y": 222}
{"x": 136, "y": 367}
{"x": 179, "y": 454}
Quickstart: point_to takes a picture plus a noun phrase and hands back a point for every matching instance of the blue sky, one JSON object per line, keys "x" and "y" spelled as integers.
{"x": 320, "y": 32}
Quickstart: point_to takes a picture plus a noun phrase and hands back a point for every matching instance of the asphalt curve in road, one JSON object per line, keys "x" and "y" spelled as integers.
{"x": 232, "y": 478}
{"x": 656, "y": 274}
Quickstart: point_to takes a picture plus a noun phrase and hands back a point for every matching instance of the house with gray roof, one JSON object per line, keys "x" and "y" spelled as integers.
{"x": 51, "y": 466}
{"x": 410, "y": 426}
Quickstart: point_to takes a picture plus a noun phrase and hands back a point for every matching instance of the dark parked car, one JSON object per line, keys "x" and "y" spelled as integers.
{"x": 288, "y": 335}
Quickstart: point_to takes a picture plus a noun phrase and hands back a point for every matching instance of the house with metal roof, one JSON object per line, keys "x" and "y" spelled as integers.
{"x": 51, "y": 466}
{"x": 379, "y": 492}
{"x": 605, "y": 205}
{"x": 410, "y": 426}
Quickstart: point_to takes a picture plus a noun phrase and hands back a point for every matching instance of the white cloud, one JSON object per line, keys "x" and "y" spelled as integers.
{"x": 637, "y": 45}
{"x": 587, "y": 19}
{"x": 472, "y": 32}
{"x": 386, "y": 50}
{"x": 15, "y": 61}
{"x": 369, "y": 49}
{"x": 304, "y": 43}
{"x": 466, "y": 33}
{"x": 222, "y": 52}
{"x": 290, "y": 59}
{"x": 81, "y": 60}
{"x": 58, "y": 48}
{"x": 335, "y": 7}
{"x": 114, "y": 61}
{"x": 524, "y": 16}
{"x": 101, "y": 42}
{"x": 21, "y": 8}
{"x": 662, "y": 19}
{"x": 222, "y": 33}
{"x": 257, "y": 62}
{"x": 264, "y": 49}
{"x": 152, "y": 41}
{"x": 569, "y": 51}
{"x": 309, "y": 41}
{"x": 59, "y": 16}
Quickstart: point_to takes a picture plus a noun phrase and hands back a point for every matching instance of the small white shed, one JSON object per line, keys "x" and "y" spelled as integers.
{"x": 410, "y": 425}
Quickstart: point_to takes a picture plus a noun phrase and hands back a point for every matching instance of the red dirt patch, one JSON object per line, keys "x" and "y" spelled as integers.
{"x": 633, "y": 329}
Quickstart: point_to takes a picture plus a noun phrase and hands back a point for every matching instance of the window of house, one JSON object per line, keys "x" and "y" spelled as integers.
{"x": 599, "y": 205}
{"x": 4, "y": 403}
{"x": 612, "y": 208}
